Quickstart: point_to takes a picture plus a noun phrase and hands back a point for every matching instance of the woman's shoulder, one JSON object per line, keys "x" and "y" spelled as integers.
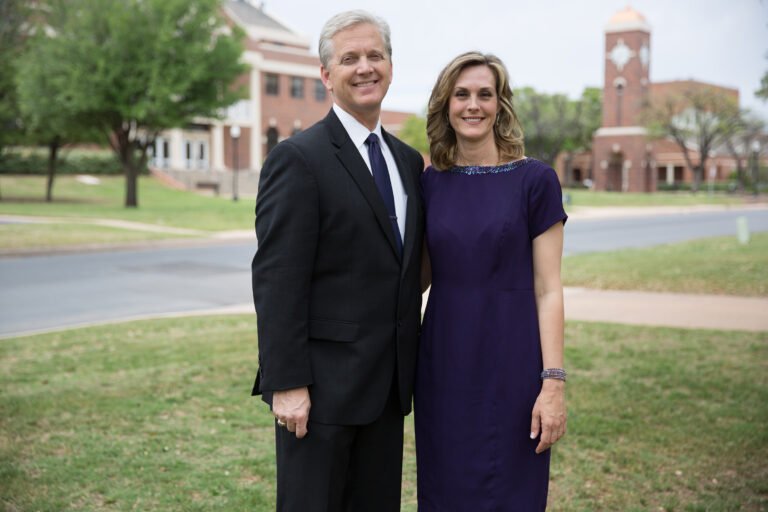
{"x": 537, "y": 166}
{"x": 537, "y": 171}
{"x": 429, "y": 172}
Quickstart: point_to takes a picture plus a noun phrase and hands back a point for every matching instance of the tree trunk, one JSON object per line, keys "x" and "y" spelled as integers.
{"x": 739, "y": 175}
{"x": 53, "y": 149}
{"x": 131, "y": 185}
{"x": 119, "y": 139}
{"x": 697, "y": 174}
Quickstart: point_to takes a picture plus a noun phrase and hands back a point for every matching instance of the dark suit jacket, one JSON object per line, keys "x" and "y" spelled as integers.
{"x": 338, "y": 308}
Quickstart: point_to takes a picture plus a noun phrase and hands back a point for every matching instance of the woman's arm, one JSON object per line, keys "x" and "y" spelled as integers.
{"x": 549, "y": 415}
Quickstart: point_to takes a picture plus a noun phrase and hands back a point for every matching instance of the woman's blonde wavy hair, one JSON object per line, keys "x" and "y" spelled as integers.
{"x": 507, "y": 131}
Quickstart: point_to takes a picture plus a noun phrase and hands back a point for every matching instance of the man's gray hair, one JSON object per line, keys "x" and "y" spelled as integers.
{"x": 345, "y": 20}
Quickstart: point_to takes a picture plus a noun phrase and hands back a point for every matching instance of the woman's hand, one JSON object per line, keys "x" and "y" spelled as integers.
{"x": 548, "y": 416}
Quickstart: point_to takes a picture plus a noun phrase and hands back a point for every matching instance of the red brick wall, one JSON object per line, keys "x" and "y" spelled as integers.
{"x": 283, "y": 110}
{"x": 243, "y": 148}
{"x": 608, "y": 164}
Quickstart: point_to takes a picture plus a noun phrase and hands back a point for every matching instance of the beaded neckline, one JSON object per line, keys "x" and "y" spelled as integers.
{"x": 488, "y": 169}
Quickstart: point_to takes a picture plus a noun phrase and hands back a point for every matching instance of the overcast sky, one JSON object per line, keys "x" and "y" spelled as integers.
{"x": 555, "y": 45}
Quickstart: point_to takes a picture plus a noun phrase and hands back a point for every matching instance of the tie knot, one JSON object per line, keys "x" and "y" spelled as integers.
{"x": 372, "y": 139}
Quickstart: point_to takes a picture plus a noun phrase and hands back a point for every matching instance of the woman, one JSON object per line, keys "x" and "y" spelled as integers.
{"x": 490, "y": 389}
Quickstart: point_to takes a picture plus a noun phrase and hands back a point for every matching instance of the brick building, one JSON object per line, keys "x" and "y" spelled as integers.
{"x": 623, "y": 157}
{"x": 285, "y": 95}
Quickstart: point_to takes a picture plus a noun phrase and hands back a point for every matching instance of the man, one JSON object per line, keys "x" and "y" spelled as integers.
{"x": 336, "y": 286}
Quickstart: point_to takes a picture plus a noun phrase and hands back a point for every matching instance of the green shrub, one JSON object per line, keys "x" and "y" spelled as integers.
{"x": 35, "y": 161}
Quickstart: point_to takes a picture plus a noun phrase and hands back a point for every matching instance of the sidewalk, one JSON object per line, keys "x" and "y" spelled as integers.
{"x": 720, "y": 312}
{"x": 723, "y": 312}
{"x": 667, "y": 309}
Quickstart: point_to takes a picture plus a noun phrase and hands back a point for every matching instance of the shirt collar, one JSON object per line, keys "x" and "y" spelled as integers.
{"x": 356, "y": 130}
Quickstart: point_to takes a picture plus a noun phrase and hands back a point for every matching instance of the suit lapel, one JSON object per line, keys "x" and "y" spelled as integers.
{"x": 350, "y": 158}
{"x": 411, "y": 190}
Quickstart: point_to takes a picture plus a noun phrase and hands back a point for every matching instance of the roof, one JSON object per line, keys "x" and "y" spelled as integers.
{"x": 627, "y": 20}
{"x": 259, "y": 26}
{"x": 252, "y": 15}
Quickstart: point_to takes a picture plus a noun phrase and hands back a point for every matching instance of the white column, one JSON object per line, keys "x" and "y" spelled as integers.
{"x": 177, "y": 150}
{"x": 625, "y": 175}
{"x": 217, "y": 147}
{"x": 670, "y": 174}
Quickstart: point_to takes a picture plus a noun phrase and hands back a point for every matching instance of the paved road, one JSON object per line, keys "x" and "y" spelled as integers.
{"x": 594, "y": 235}
{"x": 46, "y": 292}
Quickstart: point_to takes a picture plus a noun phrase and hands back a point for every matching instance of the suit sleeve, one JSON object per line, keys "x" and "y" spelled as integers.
{"x": 287, "y": 231}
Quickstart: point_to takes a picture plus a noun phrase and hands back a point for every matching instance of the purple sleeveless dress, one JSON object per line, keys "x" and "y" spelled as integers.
{"x": 480, "y": 353}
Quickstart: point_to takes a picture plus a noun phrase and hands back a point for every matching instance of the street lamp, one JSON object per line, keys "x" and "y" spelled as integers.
{"x": 756, "y": 166}
{"x": 234, "y": 132}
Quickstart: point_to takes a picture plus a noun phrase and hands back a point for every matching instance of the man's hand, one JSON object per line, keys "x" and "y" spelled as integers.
{"x": 292, "y": 408}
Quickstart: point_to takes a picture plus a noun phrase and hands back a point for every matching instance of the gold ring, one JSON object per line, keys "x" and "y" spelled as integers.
{"x": 280, "y": 423}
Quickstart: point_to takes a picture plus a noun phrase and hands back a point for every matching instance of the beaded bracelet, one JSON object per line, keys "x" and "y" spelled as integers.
{"x": 553, "y": 373}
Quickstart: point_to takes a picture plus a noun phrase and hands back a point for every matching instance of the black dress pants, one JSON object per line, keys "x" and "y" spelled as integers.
{"x": 340, "y": 468}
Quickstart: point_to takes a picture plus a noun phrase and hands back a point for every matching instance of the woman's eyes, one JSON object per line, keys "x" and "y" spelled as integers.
{"x": 482, "y": 94}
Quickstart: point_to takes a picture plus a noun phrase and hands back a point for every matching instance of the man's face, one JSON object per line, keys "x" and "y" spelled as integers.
{"x": 360, "y": 71}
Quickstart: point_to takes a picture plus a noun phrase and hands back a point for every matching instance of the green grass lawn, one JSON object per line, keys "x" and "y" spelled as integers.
{"x": 581, "y": 197}
{"x": 710, "y": 265}
{"x": 158, "y": 204}
{"x": 155, "y": 415}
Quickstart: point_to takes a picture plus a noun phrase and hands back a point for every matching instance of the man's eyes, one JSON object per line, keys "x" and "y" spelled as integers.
{"x": 352, "y": 59}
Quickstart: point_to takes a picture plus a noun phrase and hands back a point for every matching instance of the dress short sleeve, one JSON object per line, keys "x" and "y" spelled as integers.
{"x": 545, "y": 201}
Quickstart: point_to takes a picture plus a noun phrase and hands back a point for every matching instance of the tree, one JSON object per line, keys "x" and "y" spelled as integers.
{"x": 553, "y": 123}
{"x": 44, "y": 120}
{"x": 12, "y": 16}
{"x": 589, "y": 117}
{"x": 698, "y": 119}
{"x": 762, "y": 92}
{"x": 414, "y": 133}
{"x": 747, "y": 129}
{"x": 133, "y": 68}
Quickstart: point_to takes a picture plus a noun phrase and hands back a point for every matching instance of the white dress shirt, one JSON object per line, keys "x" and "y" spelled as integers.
{"x": 359, "y": 133}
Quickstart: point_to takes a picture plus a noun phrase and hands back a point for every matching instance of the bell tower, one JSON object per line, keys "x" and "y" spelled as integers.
{"x": 622, "y": 155}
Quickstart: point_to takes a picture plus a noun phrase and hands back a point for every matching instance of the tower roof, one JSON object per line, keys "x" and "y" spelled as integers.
{"x": 627, "y": 20}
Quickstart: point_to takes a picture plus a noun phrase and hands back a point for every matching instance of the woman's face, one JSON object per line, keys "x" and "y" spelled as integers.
{"x": 474, "y": 104}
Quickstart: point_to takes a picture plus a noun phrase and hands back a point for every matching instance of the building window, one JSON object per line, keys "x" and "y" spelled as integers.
{"x": 160, "y": 153}
{"x": 320, "y": 91}
{"x": 202, "y": 155}
{"x": 272, "y": 84}
{"x": 297, "y": 87}
{"x": 271, "y": 138}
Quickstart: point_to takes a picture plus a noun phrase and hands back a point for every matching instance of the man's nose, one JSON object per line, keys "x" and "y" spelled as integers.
{"x": 364, "y": 66}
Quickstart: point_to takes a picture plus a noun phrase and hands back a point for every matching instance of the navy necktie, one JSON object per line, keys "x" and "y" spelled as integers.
{"x": 381, "y": 177}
